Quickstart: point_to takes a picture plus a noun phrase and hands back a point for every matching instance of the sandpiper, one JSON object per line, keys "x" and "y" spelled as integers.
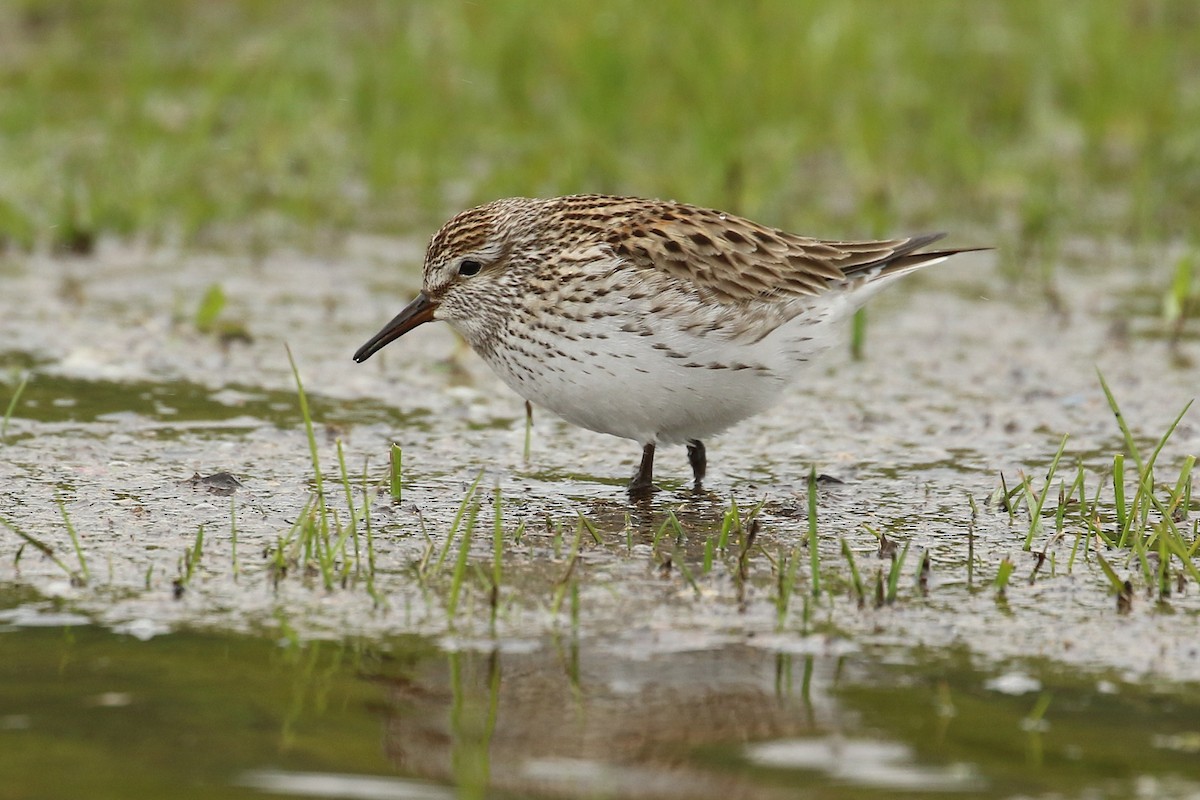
{"x": 651, "y": 320}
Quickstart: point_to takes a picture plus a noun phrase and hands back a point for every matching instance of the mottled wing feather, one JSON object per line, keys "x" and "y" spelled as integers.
{"x": 732, "y": 259}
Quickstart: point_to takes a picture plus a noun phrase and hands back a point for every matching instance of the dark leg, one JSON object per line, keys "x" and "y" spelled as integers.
{"x": 642, "y": 484}
{"x": 698, "y": 459}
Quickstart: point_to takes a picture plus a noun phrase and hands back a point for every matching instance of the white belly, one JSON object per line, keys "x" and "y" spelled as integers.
{"x": 653, "y": 381}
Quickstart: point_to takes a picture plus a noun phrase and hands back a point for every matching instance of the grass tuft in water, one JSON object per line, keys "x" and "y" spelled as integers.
{"x": 350, "y": 530}
{"x": 319, "y": 542}
{"x": 1134, "y": 518}
{"x": 1144, "y": 519}
{"x": 318, "y": 478}
{"x": 1035, "y": 504}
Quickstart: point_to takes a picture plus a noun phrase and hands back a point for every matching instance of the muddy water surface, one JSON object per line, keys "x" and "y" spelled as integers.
{"x": 628, "y": 656}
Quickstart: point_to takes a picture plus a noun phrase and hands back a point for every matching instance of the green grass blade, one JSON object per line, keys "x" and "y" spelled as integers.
{"x": 1162, "y": 442}
{"x": 193, "y": 557}
{"x": 351, "y": 529}
{"x": 370, "y": 536}
{"x": 1130, "y": 445}
{"x": 1003, "y": 574}
{"x": 395, "y": 471}
{"x": 855, "y": 577}
{"x": 39, "y": 545}
{"x": 312, "y": 443}
{"x": 12, "y": 406}
{"x": 62, "y": 508}
{"x": 497, "y": 552}
{"x": 563, "y": 584}
{"x": 460, "y": 564}
{"x": 814, "y": 555}
{"x": 462, "y": 509}
{"x": 1119, "y": 489}
{"x": 1114, "y": 580}
{"x": 893, "y": 581}
{"x": 210, "y": 307}
{"x": 1035, "y": 508}
{"x": 730, "y": 521}
{"x": 788, "y": 564}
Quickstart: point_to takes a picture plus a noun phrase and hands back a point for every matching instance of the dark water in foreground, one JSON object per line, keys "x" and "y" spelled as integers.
{"x": 85, "y": 712}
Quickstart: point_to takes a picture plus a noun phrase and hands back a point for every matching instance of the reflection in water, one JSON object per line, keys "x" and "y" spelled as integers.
{"x": 606, "y": 724}
{"x": 648, "y": 716}
{"x": 472, "y": 723}
{"x": 742, "y": 721}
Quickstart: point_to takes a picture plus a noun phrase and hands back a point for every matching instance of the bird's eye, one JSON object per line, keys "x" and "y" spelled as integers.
{"x": 469, "y": 267}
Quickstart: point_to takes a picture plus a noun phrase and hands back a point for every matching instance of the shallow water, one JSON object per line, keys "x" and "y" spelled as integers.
{"x": 642, "y": 661}
{"x": 88, "y": 710}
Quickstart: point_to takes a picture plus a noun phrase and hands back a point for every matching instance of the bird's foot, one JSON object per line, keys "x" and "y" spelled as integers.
{"x": 642, "y": 486}
{"x": 642, "y": 491}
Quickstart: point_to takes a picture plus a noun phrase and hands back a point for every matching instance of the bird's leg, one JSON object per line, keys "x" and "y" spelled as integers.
{"x": 698, "y": 459}
{"x": 642, "y": 484}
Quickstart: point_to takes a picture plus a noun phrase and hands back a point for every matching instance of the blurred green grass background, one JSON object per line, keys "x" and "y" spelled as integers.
{"x": 282, "y": 123}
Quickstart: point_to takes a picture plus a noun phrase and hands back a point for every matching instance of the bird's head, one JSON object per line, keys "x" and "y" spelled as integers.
{"x": 467, "y": 272}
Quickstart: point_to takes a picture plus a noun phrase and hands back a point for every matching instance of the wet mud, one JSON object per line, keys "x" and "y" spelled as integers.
{"x": 148, "y": 435}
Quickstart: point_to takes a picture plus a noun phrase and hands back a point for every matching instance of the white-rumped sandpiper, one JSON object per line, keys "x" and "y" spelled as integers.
{"x": 655, "y": 321}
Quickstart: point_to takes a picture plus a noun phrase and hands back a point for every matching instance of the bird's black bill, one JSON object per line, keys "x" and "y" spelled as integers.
{"x": 418, "y": 312}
